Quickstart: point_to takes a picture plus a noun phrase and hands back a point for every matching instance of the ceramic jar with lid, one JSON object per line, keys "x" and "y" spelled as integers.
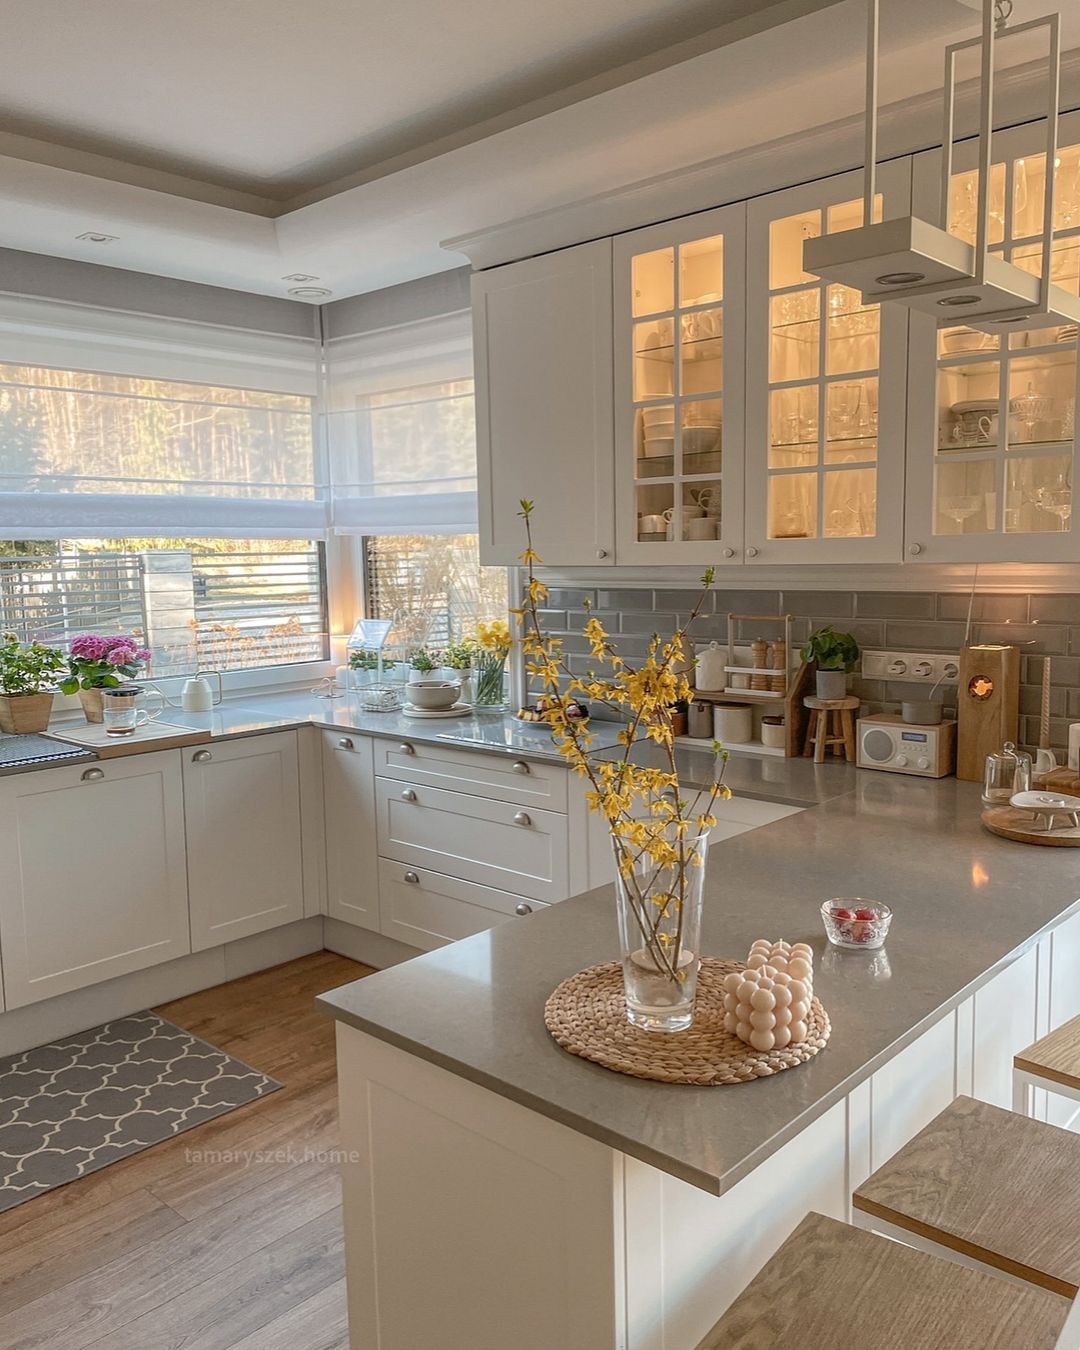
{"x": 733, "y": 723}
{"x": 772, "y": 732}
{"x": 709, "y": 673}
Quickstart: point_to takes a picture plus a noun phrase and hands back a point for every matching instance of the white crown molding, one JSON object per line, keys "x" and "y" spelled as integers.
{"x": 905, "y": 127}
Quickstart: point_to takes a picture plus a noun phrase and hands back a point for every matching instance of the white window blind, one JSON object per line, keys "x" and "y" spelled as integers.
{"x": 401, "y": 429}
{"x": 122, "y": 425}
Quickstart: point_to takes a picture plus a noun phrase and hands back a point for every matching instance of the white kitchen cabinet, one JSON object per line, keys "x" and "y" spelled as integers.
{"x": 544, "y": 412}
{"x": 95, "y": 884}
{"x": 242, "y": 809}
{"x": 825, "y": 386}
{"x": 992, "y": 419}
{"x": 493, "y": 843}
{"x": 486, "y": 774}
{"x": 352, "y": 874}
{"x": 680, "y": 310}
{"x": 427, "y": 910}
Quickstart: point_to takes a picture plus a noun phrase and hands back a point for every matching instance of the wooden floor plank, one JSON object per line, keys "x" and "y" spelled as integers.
{"x": 237, "y": 1303}
{"x": 36, "y": 1265}
{"x": 146, "y": 1252}
{"x": 321, "y": 1323}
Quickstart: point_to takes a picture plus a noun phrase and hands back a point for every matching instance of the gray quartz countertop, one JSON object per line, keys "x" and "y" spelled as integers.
{"x": 965, "y": 903}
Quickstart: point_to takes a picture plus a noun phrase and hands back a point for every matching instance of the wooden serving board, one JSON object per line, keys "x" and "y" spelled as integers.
{"x": 155, "y": 736}
{"x": 1013, "y": 824}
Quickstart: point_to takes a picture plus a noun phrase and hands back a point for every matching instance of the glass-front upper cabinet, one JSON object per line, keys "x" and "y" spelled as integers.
{"x": 825, "y": 386}
{"x": 992, "y": 420}
{"x": 679, "y": 373}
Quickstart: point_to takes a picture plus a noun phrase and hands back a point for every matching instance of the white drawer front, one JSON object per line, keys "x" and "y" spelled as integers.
{"x": 485, "y": 773}
{"x": 427, "y": 910}
{"x": 498, "y": 844}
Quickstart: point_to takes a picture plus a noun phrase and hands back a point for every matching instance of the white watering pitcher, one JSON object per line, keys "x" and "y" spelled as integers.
{"x": 197, "y": 695}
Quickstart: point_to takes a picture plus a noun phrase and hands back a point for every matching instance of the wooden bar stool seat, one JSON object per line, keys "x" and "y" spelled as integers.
{"x": 831, "y": 726}
{"x": 988, "y": 1187}
{"x": 834, "y": 1287}
{"x": 1053, "y": 1063}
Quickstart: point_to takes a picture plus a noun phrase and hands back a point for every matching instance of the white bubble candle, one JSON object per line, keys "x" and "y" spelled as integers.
{"x": 767, "y": 1005}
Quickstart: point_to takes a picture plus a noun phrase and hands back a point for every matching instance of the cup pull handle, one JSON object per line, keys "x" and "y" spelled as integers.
{"x": 523, "y": 909}
{"x": 406, "y": 748}
{"x": 201, "y": 757}
{"x": 523, "y": 818}
{"x": 408, "y": 795}
{"x": 345, "y": 743}
{"x": 519, "y": 766}
{"x": 93, "y": 775}
{"x": 412, "y": 878}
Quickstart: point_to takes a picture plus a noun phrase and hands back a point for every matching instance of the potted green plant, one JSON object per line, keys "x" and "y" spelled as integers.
{"x": 421, "y": 664}
{"x": 28, "y": 673}
{"x": 457, "y": 663}
{"x": 834, "y": 655}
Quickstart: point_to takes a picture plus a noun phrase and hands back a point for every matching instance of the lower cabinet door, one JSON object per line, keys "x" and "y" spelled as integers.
{"x": 242, "y": 807}
{"x": 352, "y": 877}
{"x": 94, "y": 882}
{"x": 428, "y": 910}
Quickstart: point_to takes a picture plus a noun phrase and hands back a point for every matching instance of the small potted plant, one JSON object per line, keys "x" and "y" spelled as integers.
{"x": 101, "y": 661}
{"x": 834, "y": 655}
{"x": 28, "y": 674}
{"x": 457, "y": 660}
{"x": 421, "y": 665}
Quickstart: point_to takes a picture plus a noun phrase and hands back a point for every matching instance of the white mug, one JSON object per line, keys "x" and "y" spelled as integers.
{"x": 701, "y": 529}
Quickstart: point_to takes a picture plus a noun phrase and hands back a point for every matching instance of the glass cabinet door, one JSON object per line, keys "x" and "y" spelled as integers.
{"x": 825, "y": 376}
{"x": 679, "y": 317}
{"x": 992, "y": 420}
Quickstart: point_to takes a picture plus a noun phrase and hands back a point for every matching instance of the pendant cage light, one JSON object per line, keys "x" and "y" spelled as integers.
{"x": 918, "y": 263}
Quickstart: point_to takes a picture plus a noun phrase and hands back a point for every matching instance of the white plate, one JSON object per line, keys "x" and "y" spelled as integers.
{"x": 458, "y": 710}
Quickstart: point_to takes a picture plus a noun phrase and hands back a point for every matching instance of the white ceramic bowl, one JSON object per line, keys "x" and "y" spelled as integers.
{"x": 433, "y": 694}
{"x": 652, "y": 415}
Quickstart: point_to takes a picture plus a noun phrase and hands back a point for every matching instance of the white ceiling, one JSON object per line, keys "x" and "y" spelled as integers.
{"x": 237, "y": 141}
{"x": 277, "y": 98}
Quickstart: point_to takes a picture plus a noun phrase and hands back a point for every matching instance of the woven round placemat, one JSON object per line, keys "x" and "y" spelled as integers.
{"x": 587, "y": 1016}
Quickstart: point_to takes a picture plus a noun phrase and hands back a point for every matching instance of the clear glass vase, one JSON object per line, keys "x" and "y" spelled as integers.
{"x": 659, "y": 909}
{"x": 489, "y": 671}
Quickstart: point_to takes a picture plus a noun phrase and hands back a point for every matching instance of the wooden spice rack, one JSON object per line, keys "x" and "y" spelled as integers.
{"x": 787, "y": 702}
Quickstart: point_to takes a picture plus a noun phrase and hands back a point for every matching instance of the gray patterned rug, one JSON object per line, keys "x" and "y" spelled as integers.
{"x": 70, "y": 1108}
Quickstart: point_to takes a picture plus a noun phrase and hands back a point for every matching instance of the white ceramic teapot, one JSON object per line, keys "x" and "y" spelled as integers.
{"x": 709, "y": 673}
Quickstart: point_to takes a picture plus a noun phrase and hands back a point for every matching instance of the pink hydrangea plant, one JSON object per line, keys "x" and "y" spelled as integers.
{"x": 100, "y": 661}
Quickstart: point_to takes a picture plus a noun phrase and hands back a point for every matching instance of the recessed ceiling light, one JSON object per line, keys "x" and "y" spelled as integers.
{"x": 309, "y": 292}
{"x": 901, "y": 278}
{"x": 299, "y": 276}
{"x": 96, "y": 237}
{"x": 951, "y": 300}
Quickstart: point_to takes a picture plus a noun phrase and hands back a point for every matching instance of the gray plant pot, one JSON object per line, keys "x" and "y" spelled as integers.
{"x": 831, "y": 684}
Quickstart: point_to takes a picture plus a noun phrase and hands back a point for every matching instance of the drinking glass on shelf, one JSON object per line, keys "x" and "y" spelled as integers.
{"x": 1031, "y": 408}
{"x": 845, "y": 402}
{"x": 961, "y": 508}
{"x": 1057, "y": 500}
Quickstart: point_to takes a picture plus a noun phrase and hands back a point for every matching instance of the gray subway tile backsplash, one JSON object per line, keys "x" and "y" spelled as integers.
{"x": 903, "y": 621}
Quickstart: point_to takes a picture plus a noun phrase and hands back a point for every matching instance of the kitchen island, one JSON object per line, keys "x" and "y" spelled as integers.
{"x": 500, "y": 1192}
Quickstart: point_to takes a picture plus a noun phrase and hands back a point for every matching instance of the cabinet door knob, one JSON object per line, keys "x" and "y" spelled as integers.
{"x": 523, "y": 909}
{"x": 201, "y": 757}
{"x": 751, "y": 552}
{"x": 914, "y": 549}
{"x": 601, "y": 552}
{"x": 92, "y": 775}
{"x": 519, "y": 766}
{"x": 523, "y": 818}
{"x": 345, "y": 743}
{"x": 408, "y": 795}
{"x": 406, "y": 749}
{"x": 728, "y": 552}
{"x": 412, "y": 878}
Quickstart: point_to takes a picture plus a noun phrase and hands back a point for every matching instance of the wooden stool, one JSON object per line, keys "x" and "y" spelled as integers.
{"x": 833, "y": 1287}
{"x": 985, "y": 1187}
{"x": 818, "y": 738}
{"x": 1052, "y": 1063}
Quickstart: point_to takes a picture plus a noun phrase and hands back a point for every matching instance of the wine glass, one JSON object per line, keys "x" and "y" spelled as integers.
{"x": 1031, "y": 408}
{"x": 845, "y": 401}
{"x": 960, "y": 509}
{"x": 1057, "y": 500}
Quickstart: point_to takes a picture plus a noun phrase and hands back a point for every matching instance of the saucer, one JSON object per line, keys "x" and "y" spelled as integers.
{"x": 458, "y": 710}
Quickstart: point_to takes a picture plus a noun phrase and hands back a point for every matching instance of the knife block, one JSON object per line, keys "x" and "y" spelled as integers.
{"x": 987, "y": 706}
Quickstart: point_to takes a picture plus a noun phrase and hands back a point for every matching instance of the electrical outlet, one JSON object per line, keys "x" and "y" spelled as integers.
{"x": 911, "y": 667}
